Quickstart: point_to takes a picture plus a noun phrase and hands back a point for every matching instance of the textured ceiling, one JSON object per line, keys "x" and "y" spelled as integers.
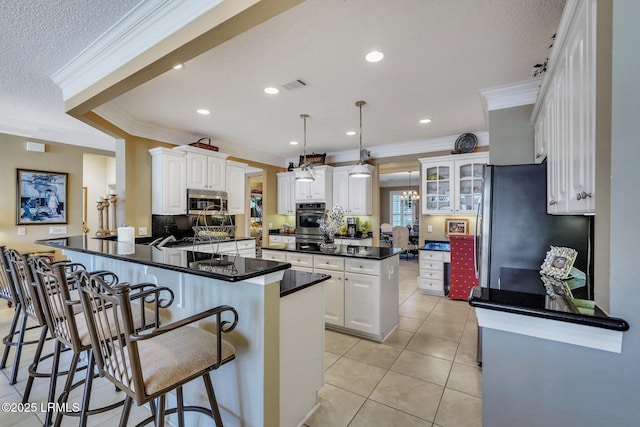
{"x": 439, "y": 54}
{"x": 38, "y": 37}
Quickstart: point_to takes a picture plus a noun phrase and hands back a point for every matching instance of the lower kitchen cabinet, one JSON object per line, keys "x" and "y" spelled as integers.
{"x": 361, "y": 297}
{"x": 276, "y": 239}
{"x": 431, "y": 278}
{"x": 244, "y": 248}
{"x": 354, "y": 242}
{"x": 362, "y": 302}
{"x": 299, "y": 261}
{"x": 333, "y": 297}
{"x": 274, "y": 255}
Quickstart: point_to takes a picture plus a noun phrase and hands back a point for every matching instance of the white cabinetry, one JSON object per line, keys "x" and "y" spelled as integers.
{"x": 244, "y": 248}
{"x": 565, "y": 114}
{"x": 206, "y": 170}
{"x": 300, "y": 261}
{"x": 333, "y": 288}
{"x": 235, "y": 179}
{"x": 275, "y": 239}
{"x": 286, "y": 193}
{"x": 318, "y": 190}
{"x": 354, "y": 242}
{"x": 354, "y": 194}
{"x": 431, "y": 279}
{"x": 274, "y": 255}
{"x": 362, "y": 295}
{"x": 168, "y": 175}
{"x": 452, "y": 184}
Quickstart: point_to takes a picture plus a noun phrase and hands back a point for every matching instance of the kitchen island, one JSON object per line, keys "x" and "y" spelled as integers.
{"x": 361, "y": 298}
{"x": 279, "y": 339}
{"x": 541, "y": 340}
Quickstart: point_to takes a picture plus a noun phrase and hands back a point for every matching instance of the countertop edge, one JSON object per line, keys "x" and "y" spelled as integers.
{"x": 303, "y": 285}
{"x": 329, "y": 253}
{"x": 611, "y": 323}
{"x": 226, "y": 278}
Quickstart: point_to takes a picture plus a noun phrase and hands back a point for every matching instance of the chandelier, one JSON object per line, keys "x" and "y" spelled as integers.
{"x": 410, "y": 197}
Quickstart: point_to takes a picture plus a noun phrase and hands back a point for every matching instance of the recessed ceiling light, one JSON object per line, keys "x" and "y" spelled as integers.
{"x": 351, "y": 133}
{"x": 178, "y": 67}
{"x": 293, "y": 142}
{"x": 425, "y": 121}
{"x": 374, "y": 56}
{"x": 271, "y": 90}
{"x": 203, "y": 111}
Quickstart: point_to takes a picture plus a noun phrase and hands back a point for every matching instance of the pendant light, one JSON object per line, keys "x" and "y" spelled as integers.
{"x": 410, "y": 197}
{"x": 305, "y": 174}
{"x": 360, "y": 170}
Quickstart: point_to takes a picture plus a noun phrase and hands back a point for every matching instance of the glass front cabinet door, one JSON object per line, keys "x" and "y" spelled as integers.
{"x": 469, "y": 185}
{"x": 452, "y": 184}
{"x": 437, "y": 185}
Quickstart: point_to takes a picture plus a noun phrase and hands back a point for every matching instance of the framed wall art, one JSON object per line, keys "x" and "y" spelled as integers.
{"x": 41, "y": 197}
{"x": 558, "y": 262}
{"x": 455, "y": 226}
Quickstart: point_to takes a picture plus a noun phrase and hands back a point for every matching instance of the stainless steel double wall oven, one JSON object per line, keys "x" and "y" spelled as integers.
{"x": 307, "y": 222}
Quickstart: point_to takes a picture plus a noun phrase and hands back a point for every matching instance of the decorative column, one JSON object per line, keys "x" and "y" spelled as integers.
{"x": 100, "y": 207}
{"x": 105, "y": 204}
{"x": 114, "y": 224}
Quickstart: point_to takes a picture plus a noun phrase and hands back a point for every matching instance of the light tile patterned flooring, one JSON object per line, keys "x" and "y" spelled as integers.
{"x": 424, "y": 374}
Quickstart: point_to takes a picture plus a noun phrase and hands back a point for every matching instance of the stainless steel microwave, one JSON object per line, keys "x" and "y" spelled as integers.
{"x": 200, "y": 200}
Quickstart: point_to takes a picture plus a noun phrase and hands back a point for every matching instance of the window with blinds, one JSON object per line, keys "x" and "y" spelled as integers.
{"x": 401, "y": 214}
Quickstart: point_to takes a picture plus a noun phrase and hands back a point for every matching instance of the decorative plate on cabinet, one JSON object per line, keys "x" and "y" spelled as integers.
{"x": 465, "y": 143}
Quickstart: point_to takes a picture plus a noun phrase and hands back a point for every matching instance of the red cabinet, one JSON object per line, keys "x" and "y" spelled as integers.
{"x": 463, "y": 272}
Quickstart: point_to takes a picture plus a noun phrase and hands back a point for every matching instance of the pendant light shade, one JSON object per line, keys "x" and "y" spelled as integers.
{"x": 305, "y": 175}
{"x": 360, "y": 170}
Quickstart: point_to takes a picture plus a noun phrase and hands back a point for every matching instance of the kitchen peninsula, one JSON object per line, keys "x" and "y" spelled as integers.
{"x": 361, "y": 298}
{"x": 279, "y": 339}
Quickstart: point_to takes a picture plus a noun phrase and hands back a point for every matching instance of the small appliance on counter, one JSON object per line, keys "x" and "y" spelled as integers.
{"x": 352, "y": 226}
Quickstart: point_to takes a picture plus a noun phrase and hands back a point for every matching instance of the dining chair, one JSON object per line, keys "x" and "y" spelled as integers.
{"x": 401, "y": 238}
{"x": 147, "y": 365}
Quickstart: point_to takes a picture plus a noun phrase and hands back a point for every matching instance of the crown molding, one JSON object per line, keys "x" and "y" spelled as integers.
{"x": 445, "y": 143}
{"x": 512, "y": 95}
{"x": 139, "y": 30}
{"x": 90, "y": 137}
{"x": 172, "y": 136}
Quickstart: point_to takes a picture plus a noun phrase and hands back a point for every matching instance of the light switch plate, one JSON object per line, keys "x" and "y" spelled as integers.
{"x": 429, "y": 228}
{"x": 57, "y": 230}
{"x": 142, "y": 231}
{"x": 22, "y": 231}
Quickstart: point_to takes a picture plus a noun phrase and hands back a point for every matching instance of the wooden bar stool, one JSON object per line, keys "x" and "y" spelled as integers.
{"x": 148, "y": 365}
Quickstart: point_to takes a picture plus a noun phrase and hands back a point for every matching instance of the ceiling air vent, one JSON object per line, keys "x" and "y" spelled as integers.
{"x": 296, "y": 84}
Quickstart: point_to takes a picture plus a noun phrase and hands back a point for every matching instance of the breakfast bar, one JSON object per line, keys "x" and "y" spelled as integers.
{"x": 279, "y": 339}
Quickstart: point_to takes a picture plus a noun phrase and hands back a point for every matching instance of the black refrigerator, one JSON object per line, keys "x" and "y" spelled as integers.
{"x": 516, "y": 231}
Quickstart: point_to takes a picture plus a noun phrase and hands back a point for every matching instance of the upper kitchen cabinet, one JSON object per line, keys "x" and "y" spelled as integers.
{"x": 452, "y": 184}
{"x": 318, "y": 190}
{"x": 235, "y": 178}
{"x": 564, "y": 115}
{"x": 286, "y": 193}
{"x": 206, "y": 170}
{"x": 168, "y": 179}
{"x": 354, "y": 194}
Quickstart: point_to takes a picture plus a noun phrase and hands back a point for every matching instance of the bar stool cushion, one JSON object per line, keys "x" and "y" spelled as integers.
{"x": 170, "y": 358}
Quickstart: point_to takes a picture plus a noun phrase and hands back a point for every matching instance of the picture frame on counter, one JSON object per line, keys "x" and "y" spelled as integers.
{"x": 41, "y": 197}
{"x": 455, "y": 226}
{"x": 558, "y": 262}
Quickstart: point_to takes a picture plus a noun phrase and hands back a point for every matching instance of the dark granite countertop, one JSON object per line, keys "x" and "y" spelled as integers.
{"x": 436, "y": 245}
{"x": 525, "y": 292}
{"x": 295, "y": 280}
{"x": 228, "y": 267}
{"x": 367, "y": 252}
{"x": 338, "y": 236}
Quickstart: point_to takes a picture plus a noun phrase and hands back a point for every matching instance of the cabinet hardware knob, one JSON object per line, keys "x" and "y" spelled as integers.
{"x": 552, "y": 202}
